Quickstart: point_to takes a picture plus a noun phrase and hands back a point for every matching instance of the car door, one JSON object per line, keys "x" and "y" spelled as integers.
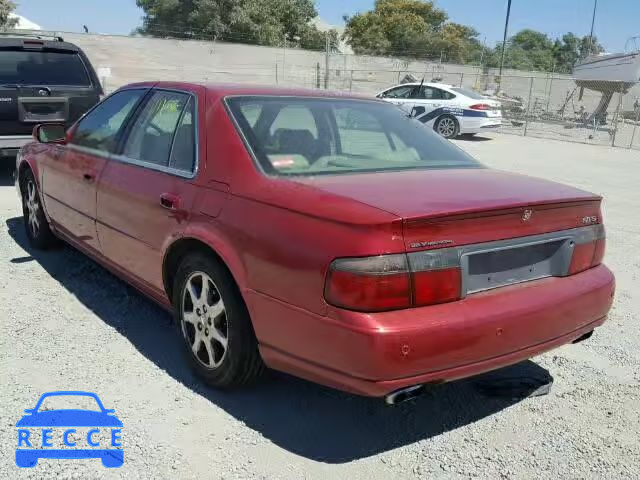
{"x": 427, "y": 100}
{"x": 69, "y": 178}
{"x": 404, "y": 96}
{"x": 146, "y": 192}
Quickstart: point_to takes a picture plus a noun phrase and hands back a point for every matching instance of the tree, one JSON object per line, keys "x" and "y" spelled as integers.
{"x": 264, "y": 22}
{"x": 412, "y": 28}
{"x": 532, "y": 50}
{"x": 7, "y": 7}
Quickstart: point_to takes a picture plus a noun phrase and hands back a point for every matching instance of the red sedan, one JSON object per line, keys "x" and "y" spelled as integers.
{"x": 326, "y": 236}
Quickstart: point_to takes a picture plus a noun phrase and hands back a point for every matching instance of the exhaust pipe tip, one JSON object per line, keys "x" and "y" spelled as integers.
{"x": 584, "y": 337}
{"x": 404, "y": 394}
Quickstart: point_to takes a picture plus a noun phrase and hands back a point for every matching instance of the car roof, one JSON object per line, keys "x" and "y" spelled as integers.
{"x": 426, "y": 84}
{"x": 220, "y": 90}
{"x": 28, "y": 43}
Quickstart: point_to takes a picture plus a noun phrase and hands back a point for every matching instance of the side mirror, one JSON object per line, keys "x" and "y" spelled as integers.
{"x": 50, "y": 133}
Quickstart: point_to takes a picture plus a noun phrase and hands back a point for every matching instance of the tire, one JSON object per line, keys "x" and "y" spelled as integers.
{"x": 206, "y": 324}
{"x": 35, "y": 222}
{"x": 447, "y": 126}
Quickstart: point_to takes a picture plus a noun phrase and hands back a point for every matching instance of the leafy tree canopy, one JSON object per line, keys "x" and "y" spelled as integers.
{"x": 412, "y": 28}
{"x": 531, "y": 50}
{"x": 7, "y": 7}
{"x": 265, "y": 22}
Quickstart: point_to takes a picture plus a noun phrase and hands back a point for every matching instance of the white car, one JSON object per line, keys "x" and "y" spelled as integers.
{"x": 451, "y": 111}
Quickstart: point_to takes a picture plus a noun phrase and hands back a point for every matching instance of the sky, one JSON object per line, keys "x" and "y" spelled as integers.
{"x": 615, "y": 22}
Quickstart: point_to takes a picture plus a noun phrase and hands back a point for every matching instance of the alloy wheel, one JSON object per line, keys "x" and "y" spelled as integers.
{"x": 446, "y": 127}
{"x": 33, "y": 208}
{"x": 204, "y": 320}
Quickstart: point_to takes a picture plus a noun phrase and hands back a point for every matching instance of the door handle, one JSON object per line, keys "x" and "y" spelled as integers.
{"x": 169, "y": 201}
{"x": 88, "y": 177}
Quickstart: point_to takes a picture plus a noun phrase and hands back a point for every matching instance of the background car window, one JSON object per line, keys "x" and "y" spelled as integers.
{"x": 100, "y": 128}
{"x": 399, "y": 92}
{"x": 151, "y": 136}
{"x": 431, "y": 93}
{"x": 469, "y": 93}
{"x": 42, "y": 68}
{"x": 183, "y": 151}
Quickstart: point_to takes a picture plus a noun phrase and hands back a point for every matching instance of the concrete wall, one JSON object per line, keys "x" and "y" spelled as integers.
{"x": 132, "y": 59}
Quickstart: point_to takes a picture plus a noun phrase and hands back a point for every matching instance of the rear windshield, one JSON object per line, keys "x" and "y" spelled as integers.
{"x": 468, "y": 93}
{"x": 312, "y": 136}
{"x": 42, "y": 68}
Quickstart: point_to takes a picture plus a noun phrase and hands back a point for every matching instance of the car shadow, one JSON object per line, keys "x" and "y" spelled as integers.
{"x": 304, "y": 418}
{"x": 473, "y": 138}
{"x": 6, "y": 172}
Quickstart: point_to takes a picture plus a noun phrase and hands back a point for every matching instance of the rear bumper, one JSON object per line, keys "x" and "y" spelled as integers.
{"x": 374, "y": 354}
{"x": 478, "y": 125}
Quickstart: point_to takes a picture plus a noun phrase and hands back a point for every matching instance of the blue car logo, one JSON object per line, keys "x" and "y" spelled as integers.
{"x": 105, "y": 431}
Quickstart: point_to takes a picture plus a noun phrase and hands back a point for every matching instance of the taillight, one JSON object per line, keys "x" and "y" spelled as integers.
{"x": 588, "y": 250}
{"x": 390, "y": 282}
{"x": 370, "y": 284}
{"x": 481, "y": 106}
{"x": 436, "y": 276}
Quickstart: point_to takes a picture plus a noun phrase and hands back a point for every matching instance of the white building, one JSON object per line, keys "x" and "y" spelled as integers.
{"x": 24, "y": 23}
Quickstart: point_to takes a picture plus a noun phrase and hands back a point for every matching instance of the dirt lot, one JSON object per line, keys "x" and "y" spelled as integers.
{"x": 69, "y": 325}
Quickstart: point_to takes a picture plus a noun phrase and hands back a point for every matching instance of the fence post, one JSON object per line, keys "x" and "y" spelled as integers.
{"x": 616, "y": 118}
{"x": 549, "y": 94}
{"x": 635, "y": 125}
{"x": 398, "y": 78}
{"x": 351, "y": 81}
{"x": 461, "y": 77}
{"x": 277, "y": 73}
{"x": 318, "y": 75}
{"x": 526, "y": 119}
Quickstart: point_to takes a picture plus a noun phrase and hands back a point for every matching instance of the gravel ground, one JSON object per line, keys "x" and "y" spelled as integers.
{"x": 67, "y": 325}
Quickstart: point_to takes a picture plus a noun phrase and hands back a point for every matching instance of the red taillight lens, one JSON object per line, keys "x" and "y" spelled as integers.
{"x": 436, "y": 286}
{"x": 371, "y": 284}
{"x": 391, "y": 282}
{"x": 589, "y": 250}
{"x": 481, "y": 106}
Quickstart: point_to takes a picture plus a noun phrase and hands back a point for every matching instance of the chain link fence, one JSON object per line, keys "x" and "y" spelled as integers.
{"x": 545, "y": 105}
{"x": 533, "y": 103}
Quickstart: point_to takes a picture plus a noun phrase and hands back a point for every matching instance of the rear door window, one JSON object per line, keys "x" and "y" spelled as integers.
{"x": 183, "y": 150}
{"x": 152, "y": 134}
{"x": 404, "y": 91}
{"x": 432, "y": 93}
{"x": 25, "y": 67}
{"x": 100, "y": 129}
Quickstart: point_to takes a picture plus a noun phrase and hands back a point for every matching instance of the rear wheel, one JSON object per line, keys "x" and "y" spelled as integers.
{"x": 447, "y": 126}
{"x": 35, "y": 222}
{"x": 214, "y": 324}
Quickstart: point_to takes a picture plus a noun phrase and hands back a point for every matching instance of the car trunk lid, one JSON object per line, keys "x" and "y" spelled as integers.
{"x": 461, "y": 206}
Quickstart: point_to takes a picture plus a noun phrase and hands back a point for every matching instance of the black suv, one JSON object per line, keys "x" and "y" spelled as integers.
{"x": 42, "y": 79}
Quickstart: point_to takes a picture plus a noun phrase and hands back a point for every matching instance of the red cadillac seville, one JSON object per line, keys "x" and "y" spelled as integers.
{"x": 326, "y": 236}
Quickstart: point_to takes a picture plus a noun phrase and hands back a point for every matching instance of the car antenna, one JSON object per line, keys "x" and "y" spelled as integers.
{"x": 419, "y": 88}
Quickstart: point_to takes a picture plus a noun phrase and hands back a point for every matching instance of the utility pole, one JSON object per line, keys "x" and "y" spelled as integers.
{"x": 326, "y": 60}
{"x": 504, "y": 42}
{"x": 593, "y": 21}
